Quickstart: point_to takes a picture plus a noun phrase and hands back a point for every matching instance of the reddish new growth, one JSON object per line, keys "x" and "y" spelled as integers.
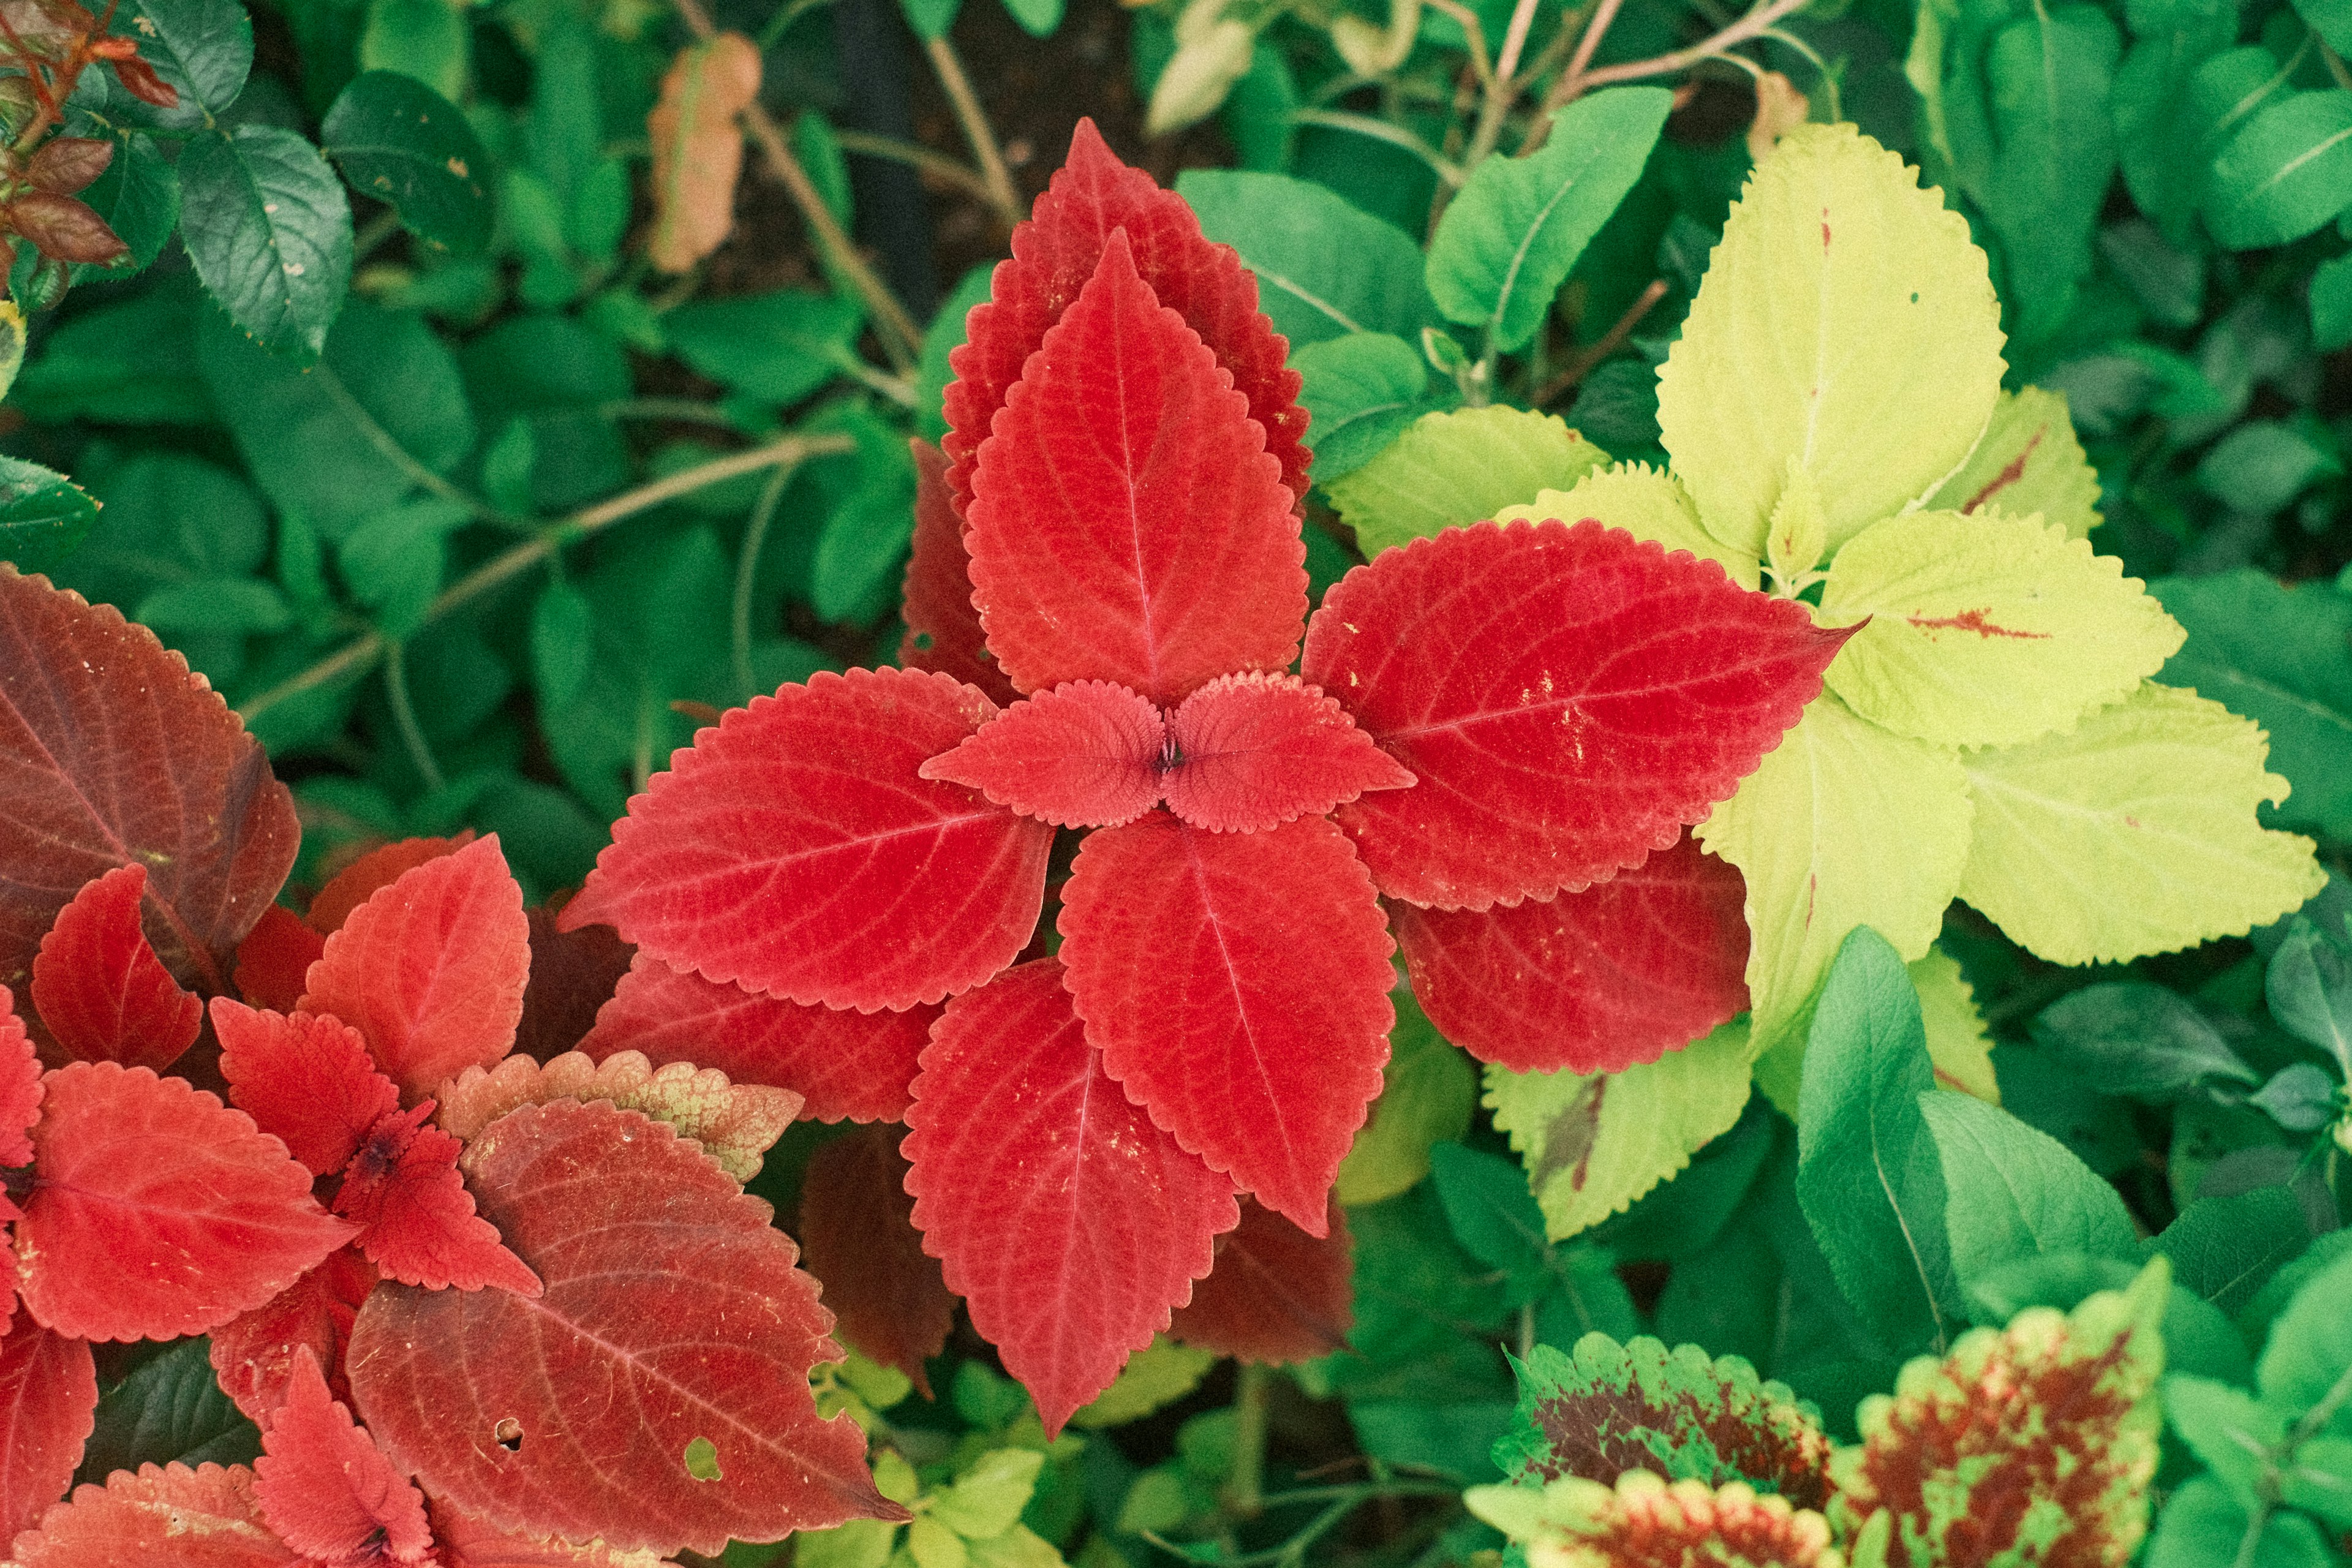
{"x": 1106, "y": 598}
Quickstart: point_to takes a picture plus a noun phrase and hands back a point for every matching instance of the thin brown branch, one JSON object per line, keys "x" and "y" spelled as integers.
{"x": 1580, "y": 364}
{"x": 939, "y": 165}
{"x": 1577, "y": 80}
{"x": 994, "y": 177}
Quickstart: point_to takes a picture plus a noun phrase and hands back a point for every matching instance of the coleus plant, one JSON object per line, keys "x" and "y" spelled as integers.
{"x": 1107, "y": 596}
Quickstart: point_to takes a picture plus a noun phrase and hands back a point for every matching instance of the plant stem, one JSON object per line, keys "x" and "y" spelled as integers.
{"x": 1577, "y": 80}
{"x": 1580, "y": 364}
{"x": 994, "y": 176}
{"x": 747, "y": 567}
{"x": 1245, "y": 1487}
{"x": 403, "y": 714}
{"x": 400, "y": 457}
{"x": 1381, "y": 130}
{"x": 939, "y": 165}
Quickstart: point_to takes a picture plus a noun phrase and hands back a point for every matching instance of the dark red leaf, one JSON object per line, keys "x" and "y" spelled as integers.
{"x": 844, "y": 1064}
{"x": 20, "y": 1092}
{"x": 431, "y": 969}
{"x": 1237, "y": 984}
{"x": 943, "y": 630}
{"x": 795, "y": 850}
{"x": 273, "y": 963}
{"x": 1127, "y": 524}
{"x": 112, "y": 753}
{"x": 1569, "y": 699}
{"x": 157, "y": 1211}
{"x": 859, "y": 1237}
{"x": 1276, "y": 1294}
{"x": 404, "y": 1186}
{"x": 139, "y": 78}
{"x": 1057, "y": 251}
{"x": 100, "y": 991}
{"x": 1068, "y": 1222}
{"x": 66, "y": 164}
{"x": 1587, "y": 981}
{"x": 253, "y": 1354}
{"x": 164, "y": 1517}
{"x": 306, "y": 1078}
{"x": 379, "y": 867}
{"x": 48, "y": 1403}
{"x": 667, "y": 1292}
{"x": 573, "y": 975}
{"x": 327, "y": 1490}
{"x": 1086, "y": 755}
{"x": 64, "y": 228}
{"x": 1256, "y": 751}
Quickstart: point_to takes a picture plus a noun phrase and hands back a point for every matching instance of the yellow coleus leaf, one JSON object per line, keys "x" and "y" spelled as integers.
{"x": 734, "y": 1122}
{"x": 2133, "y": 833}
{"x": 1459, "y": 467}
{"x": 1645, "y": 503}
{"x": 2029, "y": 461}
{"x": 1986, "y": 630}
{"x": 697, "y": 149}
{"x": 1846, "y": 322}
{"x": 1956, "y": 1040}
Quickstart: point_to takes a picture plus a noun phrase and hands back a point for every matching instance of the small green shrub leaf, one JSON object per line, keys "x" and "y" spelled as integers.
{"x": 398, "y": 140}
{"x": 266, "y": 223}
{"x": 1325, "y": 267}
{"x": 43, "y": 516}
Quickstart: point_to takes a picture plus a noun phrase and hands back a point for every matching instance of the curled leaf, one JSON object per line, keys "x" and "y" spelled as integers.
{"x": 102, "y": 992}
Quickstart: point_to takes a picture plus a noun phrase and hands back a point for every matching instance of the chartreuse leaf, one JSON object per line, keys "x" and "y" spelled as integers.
{"x": 1458, "y": 467}
{"x": 1846, "y": 322}
{"x": 2028, "y": 462}
{"x": 1594, "y": 1143}
{"x": 1325, "y": 267}
{"x": 1987, "y": 629}
{"x": 268, "y": 225}
{"x": 1646, "y": 503}
{"x": 1162, "y": 1372}
{"x": 987, "y": 1500}
{"x": 1507, "y": 243}
{"x": 2034, "y": 1443}
{"x": 1578, "y": 1523}
{"x": 2133, "y": 833}
{"x": 1958, "y": 1043}
{"x": 1808, "y": 830}
{"x": 2017, "y": 1193}
{"x": 1427, "y": 1092}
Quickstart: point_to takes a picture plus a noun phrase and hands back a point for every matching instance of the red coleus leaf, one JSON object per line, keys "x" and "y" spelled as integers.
{"x": 1237, "y": 984}
{"x": 381, "y": 866}
{"x": 670, "y": 1294}
{"x": 430, "y": 968}
{"x": 795, "y": 849}
{"x": 1254, "y": 750}
{"x": 465, "y": 1541}
{"x": 48, "y": 1403}
{"x": 1276, "y": 1294}
{"x": 1127, "y": 524}
{"x": 857, "y": 1235}
{"x": 403, "y": 1185}
{"x": 273, "y": 962}
{"x": 100, "y": 991}
{"x": 842, "y": 1064}
{"x": 1068, "y": 1222}
{"x": 112, "y": 753}
{"x": 327, "y": 1489}
{"x": 572, "y": 973}
{"x": 20, "y": 1092}
{"x": 943, "y": 631}
{"x": 1086, "y": 755}
{"x": 164, "y": 1517}
{"x": 1569, "y": 699}
{"x": 157, "y": 1211}
{"x": 1587, "y": 981}
{"x": 253, "y": 1355}
{"x": 305, "y": 1078}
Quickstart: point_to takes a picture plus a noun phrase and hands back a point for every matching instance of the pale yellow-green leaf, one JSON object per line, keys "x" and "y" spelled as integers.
{"x": 1956, "y": 1041}
{"x": 1845, "y": 320}
{"x": 1457, "y": 468}
{"x": 12, "y": 344}
{"x": 1645, "y": 503}
{"x": 2133, "y": 833}
{"x": 2029, "y": 461}
{"x": 1019, "y": 1547}
{"x": 1427, "y": 1093}
{"x": 1988, "y": 629}
{"x": 1845, "y": 824}
{"x": 1161, "y": 1372}
{"x": 987, "y": 1499}
{"x": 1797, "y": 533}
{"x": 860, "y": 1544}
{"x": 934, "y": 1545}
{"x": 1594, "y": 1143}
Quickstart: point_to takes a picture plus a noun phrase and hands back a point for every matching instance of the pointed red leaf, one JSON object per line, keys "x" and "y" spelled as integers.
{"x": 1057, "y": 251}
{"x": 844, "y": 1064}
{"x": 859, "y": 1237}
{"x": 1276, "y": 1294}
{"x": 1254, "y": 750}
{"x": 467, "y": 1541}
{"x": 431, "y": 969}
{"x": 253, "y": 1354}
{"x": 1237, "y": 984}
{"x": 1086, "y": 755}
{"x": 20, "y": 1092}
{"x": 381, "y": 866}
{"x": 572, "y": 973}
{"x": 329, "y": 1491}
{"x": 1127, "y": 524}
{"x": 1068, "y": 1222}
{"x": 1569, "y": 699}
{"x": 305, "y": 1078}
{"x": 100, "y": 991}
{"x": 796, "y": 849}
{"x": 943, "y": 631}
{"x": 164, "y": 1517}
{"x": 157, "y": 1211}
{"x": 1587, "y": 981}
{"x": 670, "y": 1294}
{"x": 421, "y": 1227}
{"x": 48, "y": 1403}
{"x": 273, "y": 962}
{"x": 112, "y": 753}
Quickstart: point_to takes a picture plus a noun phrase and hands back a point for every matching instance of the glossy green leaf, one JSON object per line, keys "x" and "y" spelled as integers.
{"x": 202, "y": 49}
{"x": 2048, "y": 74}
{"x": 1457, "y": 468}
{"x": 1428, "y": 1091}
{"x": 43, "y": 515}
{"x": 864, "y": 539}
{"x": 169, "y": 1410}
{"x": 1325, "y": 267}
{"x": 2164, "y": 162}
{"x": 1360, "y": 392}
{"x": 397, "y": 140}
{"x": 2285, "y": 174}
{"x": 266, "y": 223}
{"x": 1495, "y": 1218}
{"x": 2013, "y": 1192}
{"x": 139, "y": 197}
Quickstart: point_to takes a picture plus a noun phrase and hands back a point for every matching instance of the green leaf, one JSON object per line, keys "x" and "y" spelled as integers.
{"x": 1593, "y": 1143}
{"x": 2309, "y": 1359}
{"x": 139, "y": 197}
{"x": 930, "y": 18}
{"x": 2226, "y": 1249}
{"x": 2331, "y": 304}
{"x": 987, "y": 1499}
{"x": 203, "y": 48}
{"x": 267, "y": 224}
{"x": 2288, "y": 171}
{"x": 2283, "y": 658}
{"x": 229, "y": 606}
{"x": 2029, "y": 462}
{"x": 1956, "y": 1041}
{"x": 2308, "y": 988}
{"x": 1038, "y": 18}
{"x": 562, "y": 644}
{"x": 398, "y": 140}
{"x": 170, "y": 1410}
{"x": 2013, "y": 1191}
{"x": 1160, "y": 1374}
{"x": 1866, "y": 1167}
{"x": 43, "y": 515}
{"x": 2263, "y": 465}
{"x": 1457, "y": 468}
{"x": 2163, "y": 161}
{"x": 1846, "y": 321}
{"x": 1325, "y": 267}
{"x": 1359, "y": 392}
{"x": 777, "y": 347}
{"x": 2320, "y": 1480}
{"x": 1428, "y": 1091}
{"x": 2134, "y": 833}
{"x": 2301, "y": 1097}
{"x": 429, "y": 41}
{"x": 393, "y": 561}
{"x": 168, "y": 519}
{"x": 943, "y": 337}
{"x": 2131, "y": 1037}
{"x": 2202, "y": 1525}
{"x": 1495, "y": 1218}
{"x": 1647, "y": 504}
{"x": 1427, "y": 1315}
{"x": 2050, "y": 74}
{"x": 865, "y": 535}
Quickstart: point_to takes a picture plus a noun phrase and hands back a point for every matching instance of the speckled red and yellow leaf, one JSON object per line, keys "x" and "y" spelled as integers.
{"x": 1276, "y": 1293}
{"x": 304, "y": 1077}
{"x": 859, "y": 1237}
{"x": 1646, "y": 1522}
{"x": 48, "y": 1403}
{"x": 943, "y": 630}
{"x": 165, "y": 1516}
{"x": 102, "y": 992}
{"x": 327, "y": 1489}
{"x": 734, "y": 1123}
